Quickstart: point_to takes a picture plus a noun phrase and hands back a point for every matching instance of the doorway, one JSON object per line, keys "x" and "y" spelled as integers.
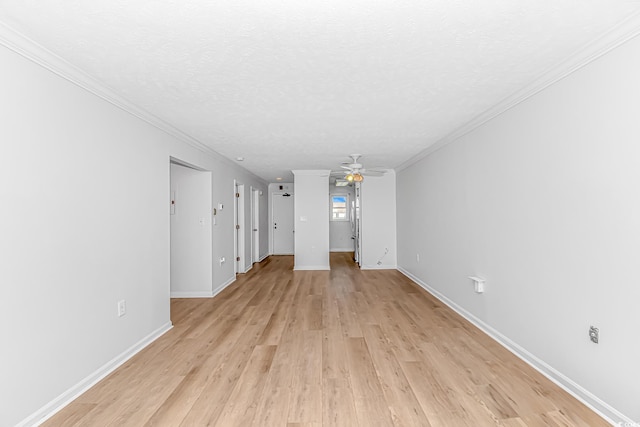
{"x": 282, "y": 227}
{"x": 191, "y": 243}
{"x": 240, "y": 225}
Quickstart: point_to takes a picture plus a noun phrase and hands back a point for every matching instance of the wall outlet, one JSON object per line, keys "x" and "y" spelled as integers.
{"x": 594, "y": 334}
{"x": 122, "y": 308}
{"x": 478, "y": 284}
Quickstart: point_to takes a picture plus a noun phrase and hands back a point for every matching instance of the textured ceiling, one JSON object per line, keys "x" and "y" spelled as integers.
{"x": 293, "y": 84}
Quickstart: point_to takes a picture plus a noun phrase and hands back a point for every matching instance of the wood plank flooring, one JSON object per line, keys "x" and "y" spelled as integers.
{"x": 326, "y": 348}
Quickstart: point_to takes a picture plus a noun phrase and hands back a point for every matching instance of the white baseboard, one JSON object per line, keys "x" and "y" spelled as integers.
{"x": 378, "y": 267}
{"x": 221, "y": 288}
{"x": 53, "y": 407}
{"x": 596, "y": 404}
{"x": 263, "y": 257}
{"x": 204, "y": 294}
{"x": 341, "y": 250}
{"x": 311, "y": 267}
{"x": 192, "y": 294}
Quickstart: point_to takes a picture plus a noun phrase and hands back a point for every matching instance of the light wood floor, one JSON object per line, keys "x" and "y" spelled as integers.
{"x": 339, "y": 348}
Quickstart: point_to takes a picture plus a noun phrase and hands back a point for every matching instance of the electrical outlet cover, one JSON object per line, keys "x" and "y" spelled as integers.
{"x": 122, "y": 308}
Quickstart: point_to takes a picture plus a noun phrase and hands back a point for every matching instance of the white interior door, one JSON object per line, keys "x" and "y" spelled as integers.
{"x": 282, "y": 224}
{"x": 255, "y": 226}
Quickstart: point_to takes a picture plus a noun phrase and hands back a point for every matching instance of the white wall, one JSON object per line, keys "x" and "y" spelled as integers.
{"x": 340, "y": 232}
{"x": 85, "y": 223}
{"x": 378, "y": 219}
{"x": 311, "y": 212}
{"x": 544, "y": 202}
{"x": 191, "y": 254}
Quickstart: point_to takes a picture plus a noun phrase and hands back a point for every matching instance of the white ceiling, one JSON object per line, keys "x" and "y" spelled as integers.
{"x": 293, "y": 84}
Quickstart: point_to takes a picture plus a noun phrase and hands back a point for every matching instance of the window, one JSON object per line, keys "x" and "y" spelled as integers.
{"x": 339, "y": 207}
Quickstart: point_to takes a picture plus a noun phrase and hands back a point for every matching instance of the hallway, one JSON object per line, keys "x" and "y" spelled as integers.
{"x": 323, "y": 348}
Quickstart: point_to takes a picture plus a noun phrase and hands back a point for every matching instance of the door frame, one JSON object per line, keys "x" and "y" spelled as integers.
{"x": 239, "y": 225}
{"x": 255, "y": 225}
{"x": 357, "y": 214}
{"x": 208, "y": 197}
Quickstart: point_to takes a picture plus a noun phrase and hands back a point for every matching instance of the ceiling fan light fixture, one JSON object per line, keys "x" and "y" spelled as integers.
{"x": 357, "y": 177}
{"x": 350, "y": 177}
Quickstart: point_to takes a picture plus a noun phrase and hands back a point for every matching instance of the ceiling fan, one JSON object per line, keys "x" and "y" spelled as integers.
{"x": 355, "y": 171}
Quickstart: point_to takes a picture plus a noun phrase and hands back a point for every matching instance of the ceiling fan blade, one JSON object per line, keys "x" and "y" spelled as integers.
{"x": 355, "y": 168}
{"x": 339, "y": 172}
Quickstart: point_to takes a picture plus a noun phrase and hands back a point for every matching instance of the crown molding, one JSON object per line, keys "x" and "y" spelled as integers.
{"x": 40, "y": 55}
{"x": 616, "y": 36}
{"x": 31, "y": 50}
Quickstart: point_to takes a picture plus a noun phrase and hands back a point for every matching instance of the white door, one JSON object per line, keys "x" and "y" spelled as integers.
{"x": 282, "y": 224}
{"x": 255, "y": 224}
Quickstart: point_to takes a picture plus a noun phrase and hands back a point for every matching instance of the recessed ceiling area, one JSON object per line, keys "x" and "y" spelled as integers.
{"x": 301, "y": 85}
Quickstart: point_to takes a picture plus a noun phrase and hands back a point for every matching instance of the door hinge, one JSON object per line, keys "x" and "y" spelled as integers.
{"x": 237, "y": 227}
{"x": 238, "y": 258}
{"x": 237, "y": 194}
